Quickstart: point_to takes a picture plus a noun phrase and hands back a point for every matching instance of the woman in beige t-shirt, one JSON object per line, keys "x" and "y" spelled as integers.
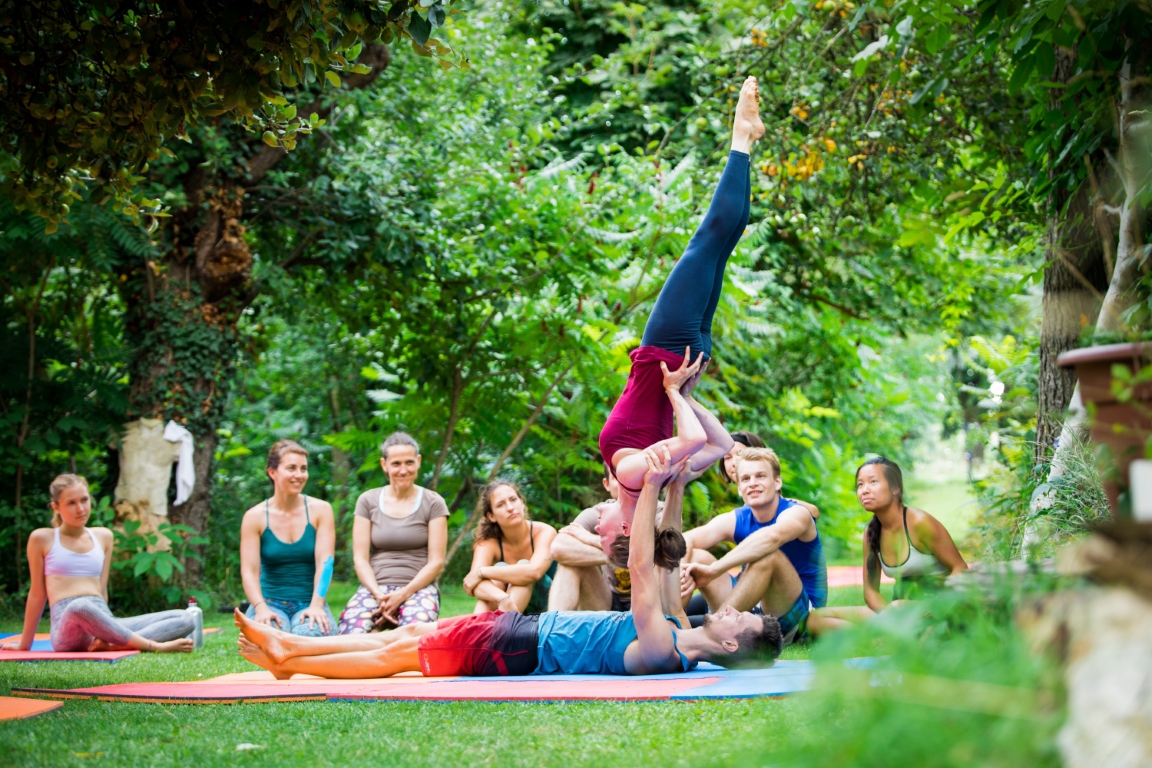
{"x": 399, "y": 540}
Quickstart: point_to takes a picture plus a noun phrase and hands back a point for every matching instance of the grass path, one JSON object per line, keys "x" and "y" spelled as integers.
{"x": 379, "y": 733}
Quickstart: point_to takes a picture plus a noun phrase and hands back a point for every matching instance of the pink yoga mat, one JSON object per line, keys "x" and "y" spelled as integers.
{"x": 65, "y": 656}
{"x": 534, "y": 689}
{"x": 42, "y": 650}
{"x": 403, "y": 689}
{"x": 850, "y": 576}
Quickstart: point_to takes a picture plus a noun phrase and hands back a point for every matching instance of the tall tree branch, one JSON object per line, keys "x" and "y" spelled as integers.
{"x": 512, "y": 446}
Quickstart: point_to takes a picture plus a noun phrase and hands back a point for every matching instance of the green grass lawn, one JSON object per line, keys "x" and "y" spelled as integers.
{"x": 393, "y": 734}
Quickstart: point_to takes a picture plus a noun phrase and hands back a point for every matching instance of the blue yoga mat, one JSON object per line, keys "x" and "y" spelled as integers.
{"x": 37, "y": 645}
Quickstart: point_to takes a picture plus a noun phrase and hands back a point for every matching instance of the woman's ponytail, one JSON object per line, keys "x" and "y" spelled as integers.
{"x": 670, "y": 549}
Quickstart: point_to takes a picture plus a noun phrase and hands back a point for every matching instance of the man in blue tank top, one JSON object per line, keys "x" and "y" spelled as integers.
{"x": 643, "y": 642}
{"x": 777, "y": 547}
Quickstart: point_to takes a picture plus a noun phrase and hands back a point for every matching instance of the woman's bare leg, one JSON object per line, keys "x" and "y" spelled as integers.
{"x": 488, "y": 595}
{"x": 401, "y": 656}
{"x": 831, "y": 619}
{"x": 281, "y": 646}
{"x": 517, "y": 600}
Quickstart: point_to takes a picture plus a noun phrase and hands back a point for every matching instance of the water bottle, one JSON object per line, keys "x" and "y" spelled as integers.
{"x": 198, "y": 622}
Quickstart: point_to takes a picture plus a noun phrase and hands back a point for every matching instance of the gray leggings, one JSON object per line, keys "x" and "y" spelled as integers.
{"x": 77, "y": 620}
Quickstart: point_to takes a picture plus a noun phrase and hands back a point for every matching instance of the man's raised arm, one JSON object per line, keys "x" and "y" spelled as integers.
{"x": 656, "y": 646}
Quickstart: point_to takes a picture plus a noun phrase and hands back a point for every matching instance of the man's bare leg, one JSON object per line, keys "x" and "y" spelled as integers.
{"x": 257, "y": 656}
{"x": 401, "y": 656}
{"x": 280, "y": 646}
{"x": 824, "y": 620}
{"x": 579, "y": 588}
{"x": 772, "y": 582}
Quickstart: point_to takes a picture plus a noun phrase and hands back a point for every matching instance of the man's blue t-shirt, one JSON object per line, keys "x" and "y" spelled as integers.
{"x": 588, "y": 642}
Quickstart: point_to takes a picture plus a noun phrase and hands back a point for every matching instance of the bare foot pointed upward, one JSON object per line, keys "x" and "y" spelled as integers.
{"x": 747, "y": 126}
{"x": 256, "y": 655}
{"x": 262, "y": 636}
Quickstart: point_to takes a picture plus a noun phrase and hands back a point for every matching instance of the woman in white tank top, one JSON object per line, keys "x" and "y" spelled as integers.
{"x": 69, "y": 566}
{"x": 906, "y": 544}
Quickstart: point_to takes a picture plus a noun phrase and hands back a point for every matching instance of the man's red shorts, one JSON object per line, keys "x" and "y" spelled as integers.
{"x": 483, "y": 644}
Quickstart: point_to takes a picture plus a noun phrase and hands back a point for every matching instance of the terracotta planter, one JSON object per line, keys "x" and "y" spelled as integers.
{"x": 1123, "y": 427}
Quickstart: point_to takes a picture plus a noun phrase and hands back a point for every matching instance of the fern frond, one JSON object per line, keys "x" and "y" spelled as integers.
{"x": 558, "y": 167}
{"x": 613, "y": 237}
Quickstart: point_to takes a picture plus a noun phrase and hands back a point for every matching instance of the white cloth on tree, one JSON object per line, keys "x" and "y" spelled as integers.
{"x": 185, "y": 472}
{"x": 146, "y": 460}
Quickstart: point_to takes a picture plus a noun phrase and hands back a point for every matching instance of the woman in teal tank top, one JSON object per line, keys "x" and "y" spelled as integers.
{"x": 283, "y": 545}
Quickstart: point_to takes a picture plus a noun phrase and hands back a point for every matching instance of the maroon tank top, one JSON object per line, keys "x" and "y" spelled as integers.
{"x": 643, "y": 414}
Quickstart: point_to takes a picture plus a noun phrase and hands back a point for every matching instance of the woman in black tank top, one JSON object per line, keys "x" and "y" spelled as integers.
{"x": 511, "y": 553}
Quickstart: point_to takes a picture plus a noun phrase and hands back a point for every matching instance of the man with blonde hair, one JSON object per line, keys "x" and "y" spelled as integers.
{"x": 777, "y": 547}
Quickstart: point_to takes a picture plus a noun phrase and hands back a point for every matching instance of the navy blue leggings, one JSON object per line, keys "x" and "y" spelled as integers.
{"x": 683, "y": 313}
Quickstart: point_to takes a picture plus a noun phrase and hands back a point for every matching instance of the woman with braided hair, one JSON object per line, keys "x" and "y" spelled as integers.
{"x": 906, "y": 544}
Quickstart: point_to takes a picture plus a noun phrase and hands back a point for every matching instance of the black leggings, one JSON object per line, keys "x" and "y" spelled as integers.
{"x": 683, "y": 313}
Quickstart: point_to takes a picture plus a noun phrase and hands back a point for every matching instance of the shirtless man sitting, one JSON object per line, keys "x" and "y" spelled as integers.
{"x": 777, "y": 547}
{"x": 645, "y": 641}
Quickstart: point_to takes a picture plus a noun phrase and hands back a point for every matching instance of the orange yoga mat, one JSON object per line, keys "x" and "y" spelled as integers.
{"x": 12, "y": 708}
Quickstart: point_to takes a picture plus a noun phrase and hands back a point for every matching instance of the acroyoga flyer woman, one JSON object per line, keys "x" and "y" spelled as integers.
{"x": 678, "y": 340}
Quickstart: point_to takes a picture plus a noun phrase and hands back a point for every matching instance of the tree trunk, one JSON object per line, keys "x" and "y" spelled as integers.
{"x": 183, "y": 313}
{"x": 1074, "y": 282}
{"x": 1129, "y": 173}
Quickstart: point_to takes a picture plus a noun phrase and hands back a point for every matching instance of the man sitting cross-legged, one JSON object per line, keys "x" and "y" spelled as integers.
{"x": 776, "y": 543}
{"x": 645, "y": 641}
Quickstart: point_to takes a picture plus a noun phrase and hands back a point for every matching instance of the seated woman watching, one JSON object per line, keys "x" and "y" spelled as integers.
{"x": 283, "y": 545}
{"x": 919, "y": 548}
{"x": 512, "y": 554}
{"x": 741, "y": 439}
{"x": 69, "y": 565}
{"x": 399, "y": 540}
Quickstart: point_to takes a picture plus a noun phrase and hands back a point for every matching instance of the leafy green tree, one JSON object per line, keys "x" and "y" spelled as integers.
{"x": 1080, "y": 70}
{"x": 62, "y": 395}
{"x": 184, "y": 305}
{"x": 91, "y": 90}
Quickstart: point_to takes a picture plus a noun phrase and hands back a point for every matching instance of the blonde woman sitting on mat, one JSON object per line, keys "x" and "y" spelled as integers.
{"x": 919, "y": 548}
{"x": 69, "y": 565}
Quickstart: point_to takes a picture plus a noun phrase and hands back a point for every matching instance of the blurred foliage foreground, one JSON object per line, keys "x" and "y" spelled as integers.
{"x": 950, "y": 681}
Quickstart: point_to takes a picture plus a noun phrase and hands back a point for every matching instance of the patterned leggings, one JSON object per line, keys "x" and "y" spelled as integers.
{"x": 77, "y": 620}
{"x": 357, "y": 616}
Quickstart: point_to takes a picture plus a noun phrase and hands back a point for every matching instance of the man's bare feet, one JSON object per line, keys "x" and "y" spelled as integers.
{"x": 262, "y": 636}
{"x": 256, "y": 655}
{"x": 747, "y": 126}
{"x": 180, "y": 645}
